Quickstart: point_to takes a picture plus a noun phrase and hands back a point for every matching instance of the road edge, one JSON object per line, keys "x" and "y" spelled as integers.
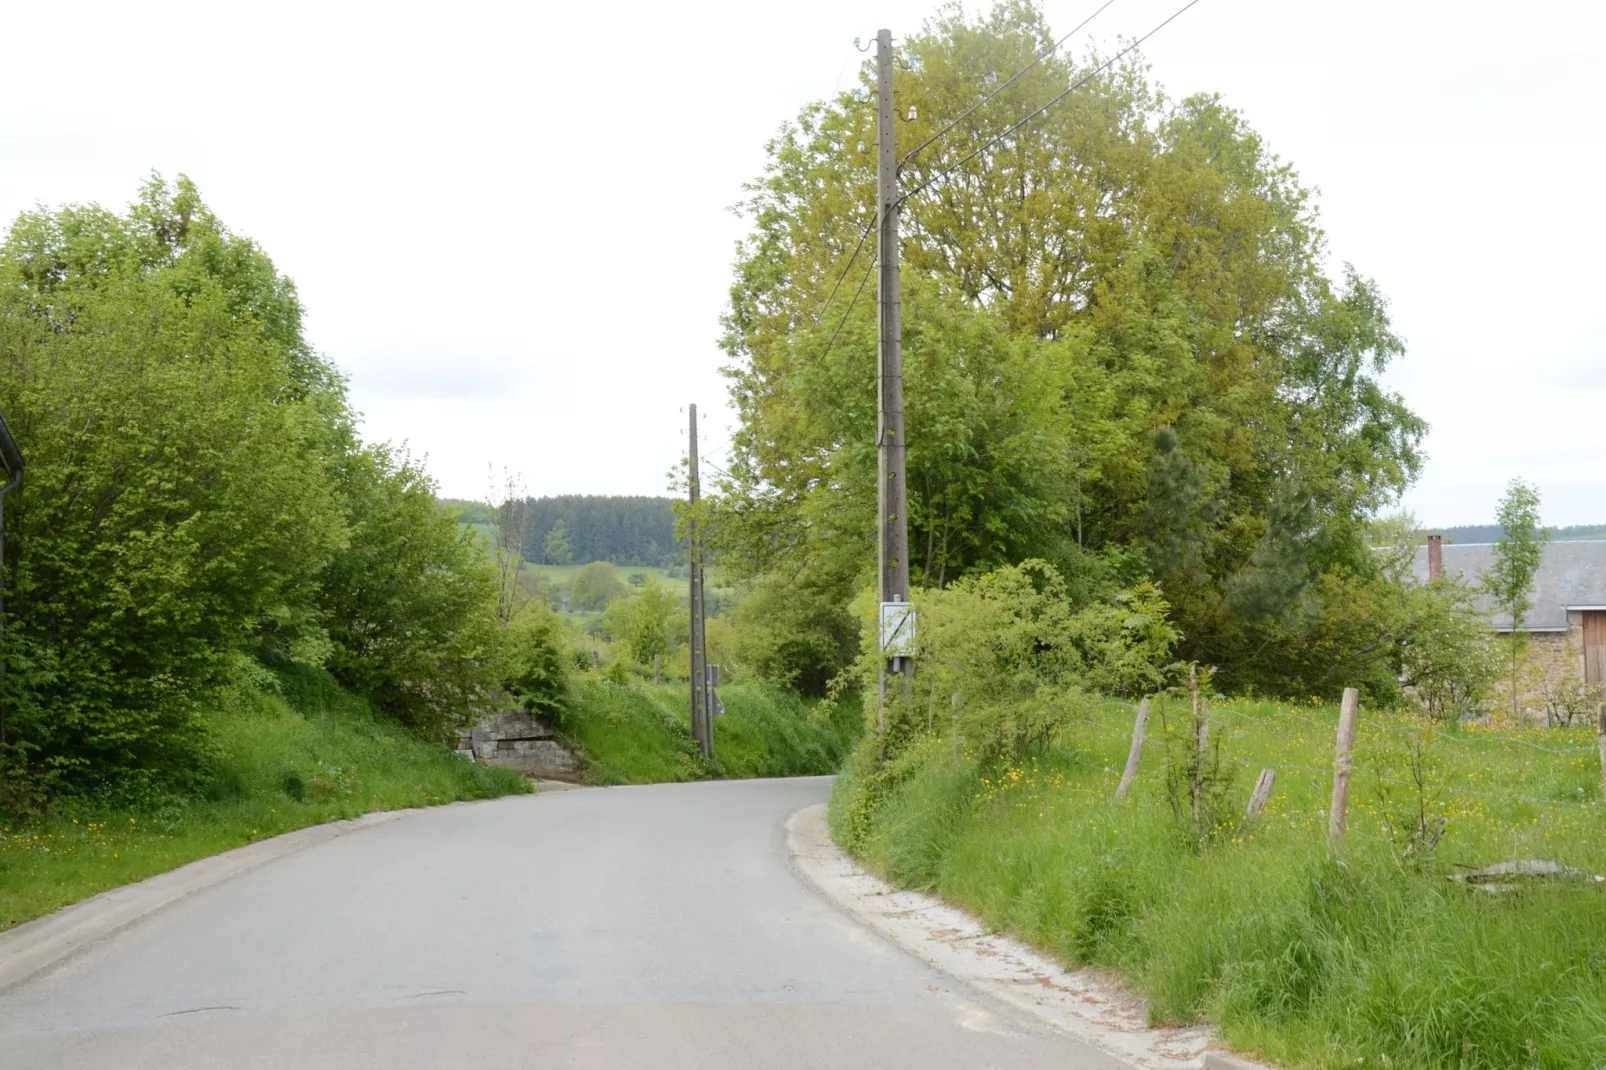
{"x": 37, "y": 946}
{"x": 1081, "y": 1004}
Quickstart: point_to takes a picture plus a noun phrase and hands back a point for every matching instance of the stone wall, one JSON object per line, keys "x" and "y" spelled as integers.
{"x": 1551, "y": 683}
{"x": 517, "y": 740}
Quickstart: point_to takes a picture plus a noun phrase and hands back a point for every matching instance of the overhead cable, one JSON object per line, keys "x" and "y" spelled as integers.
{"x": 1100, "y": 69}
{"x": 968, "y": 112}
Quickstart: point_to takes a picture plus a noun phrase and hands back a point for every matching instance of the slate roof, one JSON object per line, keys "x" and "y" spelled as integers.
{"x": 1571, "y": 573}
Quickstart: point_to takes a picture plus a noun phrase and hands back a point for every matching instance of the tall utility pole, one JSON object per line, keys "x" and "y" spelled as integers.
{"x": 892, "y": 496}
{"x": 701, "y": 723}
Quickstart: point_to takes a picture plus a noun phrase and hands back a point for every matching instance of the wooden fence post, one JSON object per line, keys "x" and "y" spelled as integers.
{"x": 657, "y": 669}
{"x": 1262, "y": 793}
{"x": 1602, "y": 730}
{"x": 596, "y": 660}
{"x": 1343, "y": 760}
{"x": 1139, "y": 727}
{"x": 1201, "y": 743}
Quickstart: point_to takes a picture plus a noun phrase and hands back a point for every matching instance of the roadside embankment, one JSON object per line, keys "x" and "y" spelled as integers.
{"x": 273, "y": 769}
{"x": 638, "y": 733}
{"x": 1371, "y": 958}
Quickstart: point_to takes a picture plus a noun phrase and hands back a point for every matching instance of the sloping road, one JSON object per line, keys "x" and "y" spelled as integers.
{"x": 653, "y": 926}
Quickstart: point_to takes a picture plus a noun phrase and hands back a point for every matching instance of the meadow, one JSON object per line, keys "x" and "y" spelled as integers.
{"x": 1372, "y": 957}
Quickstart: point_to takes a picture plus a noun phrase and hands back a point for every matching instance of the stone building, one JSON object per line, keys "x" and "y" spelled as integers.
{"x": 1566, "y": 626}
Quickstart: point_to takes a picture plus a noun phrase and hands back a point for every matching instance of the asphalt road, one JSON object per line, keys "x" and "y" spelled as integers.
{"x": 654, "y": 926}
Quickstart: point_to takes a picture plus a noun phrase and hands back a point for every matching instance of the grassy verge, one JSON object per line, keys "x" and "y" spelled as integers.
{"x": 1379, "y": 960}
{"x": 636, "y": 733}
{"x": 276, "y": 769}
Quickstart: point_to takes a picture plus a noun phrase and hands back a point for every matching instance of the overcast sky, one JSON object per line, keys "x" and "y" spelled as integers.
{"x": 509, "y": 222}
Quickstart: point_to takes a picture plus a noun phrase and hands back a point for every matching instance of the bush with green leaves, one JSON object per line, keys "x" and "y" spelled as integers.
{"x": 793, "y": 633}
{"x": 594, "y": 587}
{"x": 176, "y": 502}
{"x": 650, "y": 622}
{"x": 1447, "y": 651}
{"x": 196, "y": 499}
{"x": 410, "y": 599}
{"x": 536, "y": 668}
{"x": 1006, "y": 657}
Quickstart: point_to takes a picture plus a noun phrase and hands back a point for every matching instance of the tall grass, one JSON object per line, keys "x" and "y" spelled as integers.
{"x": 1374, "y": 959}
{"x": 309, "y": 754}
{"x": 637, "y": 733}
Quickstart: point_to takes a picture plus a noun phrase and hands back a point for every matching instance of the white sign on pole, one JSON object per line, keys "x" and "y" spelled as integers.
{"x": 897, "y": 629}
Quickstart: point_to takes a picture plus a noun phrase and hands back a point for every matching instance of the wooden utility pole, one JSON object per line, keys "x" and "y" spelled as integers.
{"x": 892, "y": 498}
{"x": 1343, "y": 761}
{"x": 700, "y": 720}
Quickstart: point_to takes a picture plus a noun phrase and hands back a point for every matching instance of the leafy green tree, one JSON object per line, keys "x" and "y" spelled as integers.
{"x": 646, "y": 621}
{"x": 537, "y": 669}
{"x": 1445, "y": 653}
{"x": 1510, "y": 576}
{"x": 411, "y": 599}
{"x": 178, "y": 509}
{"x": 594, "y": 587}
{"x": 793, "y": 633}
{"x": 1122, "y": 355}
{"x": 556, "y": 550}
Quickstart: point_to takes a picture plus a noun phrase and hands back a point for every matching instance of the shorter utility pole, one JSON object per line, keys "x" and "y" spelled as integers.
{"x": 701, "y": 723}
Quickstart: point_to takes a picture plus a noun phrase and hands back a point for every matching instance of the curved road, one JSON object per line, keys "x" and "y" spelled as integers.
{"x": 657, "y": 926}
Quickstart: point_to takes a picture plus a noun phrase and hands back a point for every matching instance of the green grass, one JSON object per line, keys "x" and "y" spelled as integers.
{"x": 276, "y": 769}
{"x": 1379, "y": 960}
{"x": 637, "y": 733}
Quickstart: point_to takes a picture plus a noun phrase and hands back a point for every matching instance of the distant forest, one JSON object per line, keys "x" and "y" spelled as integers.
{"x": 1472, "y": 533}
{"x": 624, "y": 530}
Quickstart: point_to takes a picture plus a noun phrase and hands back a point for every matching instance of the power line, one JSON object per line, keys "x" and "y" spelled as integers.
{"x": 849, "y": 311}
{"x": 968, "y": 112}
{"x": 1100, "y": 69}
{"x": 868, "y": 227}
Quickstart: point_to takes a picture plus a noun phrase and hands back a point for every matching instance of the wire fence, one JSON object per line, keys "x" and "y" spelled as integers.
{"x": 1523, "y": 759}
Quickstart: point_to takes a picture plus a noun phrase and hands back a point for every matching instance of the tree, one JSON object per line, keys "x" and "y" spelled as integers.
{"x": 510, "y": 530}
{"x": 1122, "y": 355}
{"x": 594, "y": 587}
{"x": 1445, "y": 652}
{"x": 179, "y": 508}
{"x": 646, "y": 621}
{"x": 536, "y": 670}
{"x": 556, "y": 550}
{"x": 411, "y": 601}
{"x": 1510, "y": 575}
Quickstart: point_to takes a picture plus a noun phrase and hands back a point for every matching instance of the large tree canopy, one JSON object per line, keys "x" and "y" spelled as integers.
{"x": 1122, "y": 353}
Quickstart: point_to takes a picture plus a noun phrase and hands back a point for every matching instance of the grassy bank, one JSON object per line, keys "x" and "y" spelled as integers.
{"x": 276, "y": 768}
{"x": 638, "y": 733}
{"x": 1379, "y": 960}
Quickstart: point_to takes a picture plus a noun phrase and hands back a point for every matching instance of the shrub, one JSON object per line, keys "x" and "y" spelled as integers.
{"x": 1008, "y": 658}
{"x": 1447, "y": 655}
{"x": 793, "y": 634}
{"x": 176, "y": 506}
{"x": 536, "y": 671}
{"x": 410, "y": 600}
{"x": 594, "y": 587}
